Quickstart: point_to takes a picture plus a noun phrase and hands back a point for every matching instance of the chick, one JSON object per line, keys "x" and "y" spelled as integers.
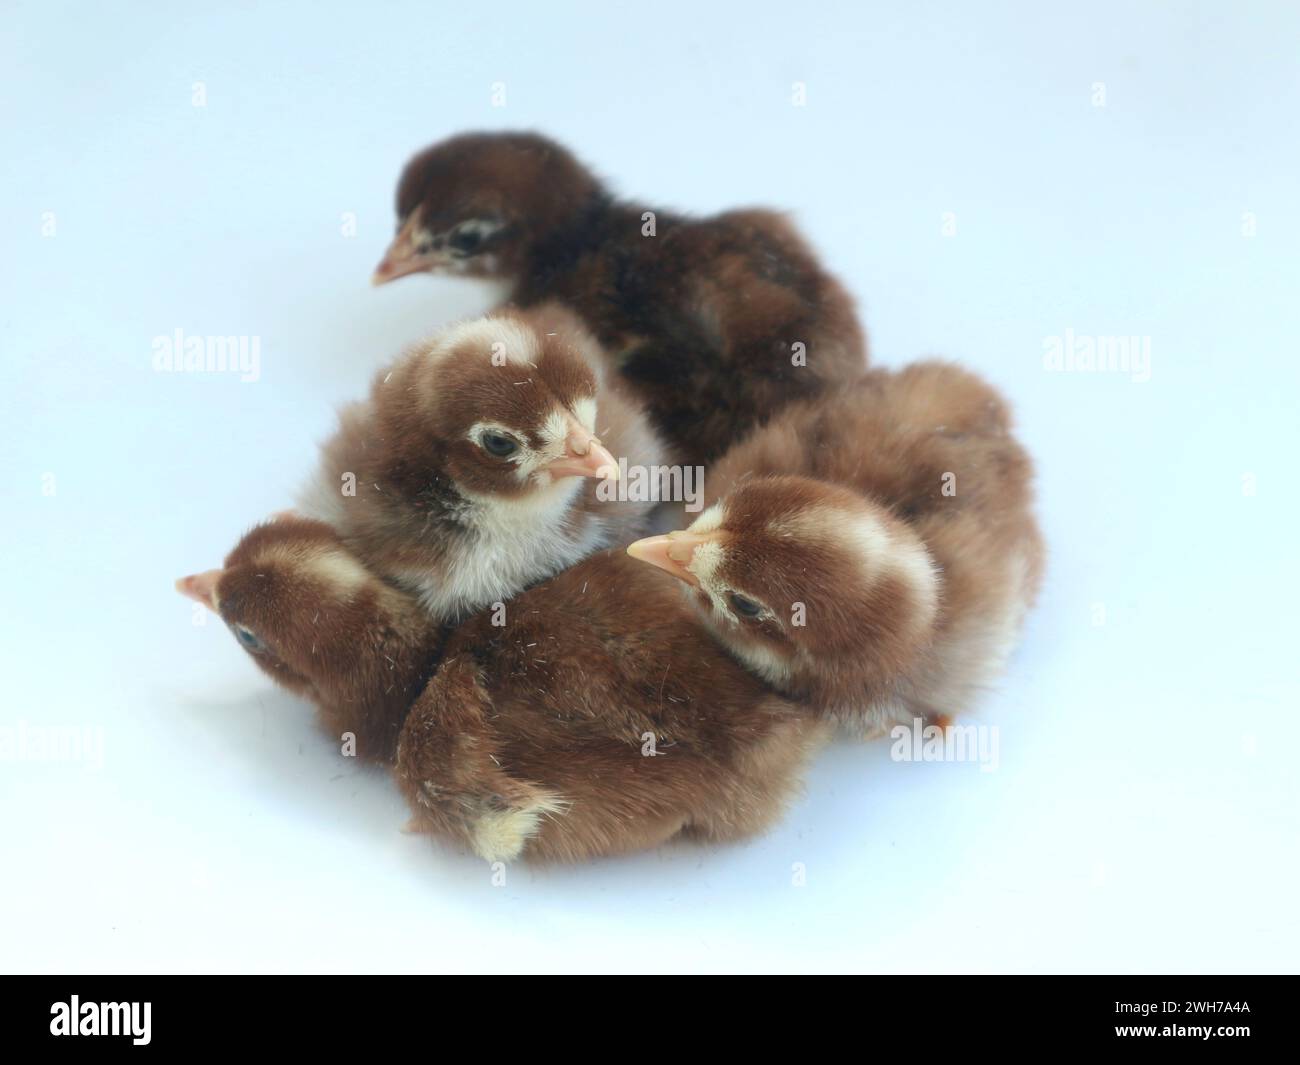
{"x": 599, "y": 719}
{"x": 717, "y": 322}
{"x": 477, "y": 467}
{"x": 319, "y": 624}
{"x": 596, "y": 718}
{"x": 872, "y": 552}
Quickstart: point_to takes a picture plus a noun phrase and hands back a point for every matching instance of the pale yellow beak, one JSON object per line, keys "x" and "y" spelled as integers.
{"x": 401, "y": 258}
{"x": 201, "y": 587}
{"x": 584, "y": 456}
{"x": 672, "y": 553}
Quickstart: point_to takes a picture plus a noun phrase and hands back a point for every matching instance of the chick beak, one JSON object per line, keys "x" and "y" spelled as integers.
{"x": 584, "y": 456}
{"x": 672, "y": 553}
{"x": 401, "y": 258}
{"x": 201, "y": 587}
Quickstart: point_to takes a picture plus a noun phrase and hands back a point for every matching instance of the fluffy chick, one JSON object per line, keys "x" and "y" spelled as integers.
{"x": 319, "y": 624}
{"x": 599, "y": 719}
{"x": 718, "y": 322}
{"x": 873, "y": 552}
{"x": 477, "y": 467}
{"x": 592, "y": 716}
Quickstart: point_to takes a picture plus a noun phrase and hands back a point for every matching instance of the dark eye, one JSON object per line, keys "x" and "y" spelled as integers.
{"x": 744, "y": 606}
{"x": 466, "y": 239}
{"x": 498, "y": 444}
{"x": 248, "y": 638}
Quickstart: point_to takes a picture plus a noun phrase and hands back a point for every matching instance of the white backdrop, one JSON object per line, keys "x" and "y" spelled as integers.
{"x": 983, "y": 180}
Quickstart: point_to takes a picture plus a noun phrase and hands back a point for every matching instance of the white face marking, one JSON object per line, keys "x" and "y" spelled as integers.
{"x": 711, "y": 520}
{"x": 531, "y": 462}
{"x": 827, "y": 524}
{"x": 524, "y": 459}
{"x": 585, "y": 411}
{"x": 707, "y": 559}
{"x": 341, "y": 572}
{"x": 480, "y": 227}
{"x": 419, "y": 241}
{"x": 555, "y": 431}
{"x": 886, "y": 551}
{"x": 880, "y": 549}
{"x": 502, "y": 337}
{"x": 555, "y": 444}
{"x": 754, "y": 655}
{"x": 344, "y": 572}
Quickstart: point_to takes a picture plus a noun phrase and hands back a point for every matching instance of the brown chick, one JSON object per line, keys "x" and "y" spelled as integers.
{"x": 597, "y": 718}
{"x": 873, "y": 552}
{"x": 477, "y": 467}
{"x": 717, "y": 322}
{"x": 320, "y": 624}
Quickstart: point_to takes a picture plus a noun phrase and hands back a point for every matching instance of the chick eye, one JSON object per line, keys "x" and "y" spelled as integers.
{"x": 498, "y": 444}
{"x": 745, "y": 606}
{"x": 466, "y": 239}
{"x": 248, "y": 638}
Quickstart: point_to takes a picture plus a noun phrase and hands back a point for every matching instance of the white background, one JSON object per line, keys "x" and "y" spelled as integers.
{"x": 1144, "y": 813}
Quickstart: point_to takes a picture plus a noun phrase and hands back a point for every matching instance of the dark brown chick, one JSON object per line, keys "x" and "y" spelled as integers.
{"x": 887, "y": 578}
{"x": 485, "y": 461}
{"x": 718, "y": 322}
{"x": 319, "y": 624}
{"x": 592, "y": 716}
